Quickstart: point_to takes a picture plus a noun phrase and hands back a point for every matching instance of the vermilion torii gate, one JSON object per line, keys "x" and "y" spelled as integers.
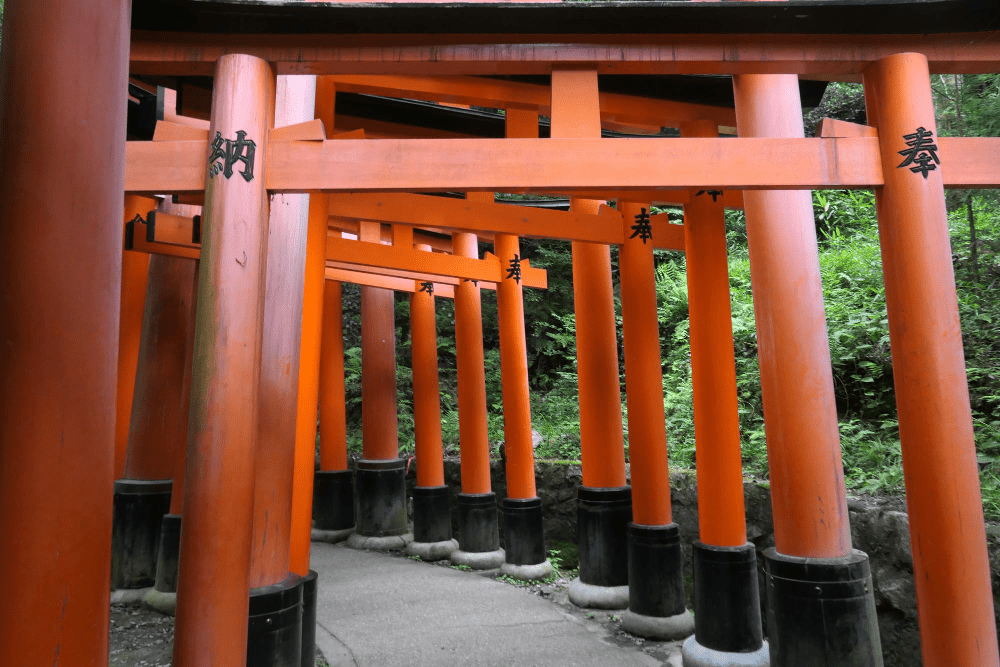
{"x": 59, "y": 320}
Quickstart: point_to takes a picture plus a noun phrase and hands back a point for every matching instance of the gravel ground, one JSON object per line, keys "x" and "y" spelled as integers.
{"x": 142, "y": 637}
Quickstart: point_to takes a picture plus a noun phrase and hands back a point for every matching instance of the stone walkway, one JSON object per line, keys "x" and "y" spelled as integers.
{"x": 378, "y": 610}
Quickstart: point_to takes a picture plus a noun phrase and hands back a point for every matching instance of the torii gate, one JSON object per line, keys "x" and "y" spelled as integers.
{"x": 58, "y": 326}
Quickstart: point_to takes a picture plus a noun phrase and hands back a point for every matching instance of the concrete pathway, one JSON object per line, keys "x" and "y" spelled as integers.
{"x": 380, "y": 610}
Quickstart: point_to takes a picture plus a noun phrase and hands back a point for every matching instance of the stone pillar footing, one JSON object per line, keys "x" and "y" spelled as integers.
{"x": 431, "y": 514}
{"x": 590, "y": 596}
{"x": 331, "y": 536}
{"x": 274, "y": 631}
{"x": 694, "y": 654}
{"x": 821, "y": 611}
{"x": 309, "y": 596}
{"x": 384, "y": 543}
{"x": 535, "y": 572}
{"x": 333, "y": 501}
{"x": 666, "y": 628}
{"x": 602, "y": 517}
{"x": 380, "y": 498}
{"x": 656, "y": 583}
{"x": 523, "y": 532}
{"x": 432, "y": 550}
{"x": 726, "y": 589}
{"x": 478, "y": 560}
{"x": 478, "y": 531}
{"x": 139, "y": 506}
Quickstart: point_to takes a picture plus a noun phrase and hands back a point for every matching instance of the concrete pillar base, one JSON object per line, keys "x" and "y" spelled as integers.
{"x": 135, "y": 532}
{"x": 602, "y": 517}
{"x": 478, "y": 560}
{"x": 667, "y": 628}
{"x": 333, "y": 500}
{"x": 385, "y": 543}
{"x": 726, "y": 589}
{"x": 380, "y": 498}
{"x": 331, "y": 536}
{"x": 133, "y": 596}
{"x": 821, "y": 611}
{"x": 165, "y": 603}
{"x": 528, "y": 572}
{"x": 694, "y": 654}
{"x": 432, "y": 550}
{"x": 274, "y": 631}
{"x": 590, "y": 596}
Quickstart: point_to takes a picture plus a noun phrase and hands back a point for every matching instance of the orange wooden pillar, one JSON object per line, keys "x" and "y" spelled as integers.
{"x": 380, "y": 482}
{"x": 807, "y": 481}
{"x": 216, "y": 535}
{"x": 332, "y": 497}
{"x": 478, "y": 531}
{"x": 275, "y": 624}
{"x": 655, "y": 563}
{"x": 135, "y": 270}
{"x": 604, "y": 503}
{"x": 524, "y": 537}
{"x": 158, "y": 425}
{"x": 950, "y": 564}
{"x": 432, "y": 538}
{"x": 59, "y": 314}
{"x": 724, "y": 563}
{"x": 163, "y": 595}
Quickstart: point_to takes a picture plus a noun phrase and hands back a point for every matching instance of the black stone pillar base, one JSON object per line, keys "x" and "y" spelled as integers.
{"x": 139, "y": 507}
{"x": 163, "y": 596}
{"x": 821, "y": 611}
{"x": 380, "y": 498}
{"x": 656, "y": 583}
{"x": 523, "y": 533}
{"x": 431, "y": 514}
{"x": 728, "y": 602}
{"x": 170, "y": 549}
{"x": 478, "y": 531}
{"x": 274, "y": 632}
{"x": 333, "y": 500}
{"x": 309, "y": 590}
{"x": 602, "y": 515}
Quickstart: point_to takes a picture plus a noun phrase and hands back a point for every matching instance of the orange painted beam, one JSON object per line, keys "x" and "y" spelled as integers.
{"x": 169, "y": 228}
{"x": 824, "y": 55}
{"x": 387, "y": 282}
{"x": 501, "y": 94}
{"x": 555, "y": 165}
{"x": 403, "y": 279}
{"x": 473, "y": 216}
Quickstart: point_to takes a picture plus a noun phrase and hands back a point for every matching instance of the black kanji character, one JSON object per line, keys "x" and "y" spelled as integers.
{"x": 642, "y": 227}
{"x": 428, "y": 287}
{"x": 715, "y": 194}
{"x": 922, "y": 152}
{"x": 239, "y": 150}
{"x": 515, "y": 269}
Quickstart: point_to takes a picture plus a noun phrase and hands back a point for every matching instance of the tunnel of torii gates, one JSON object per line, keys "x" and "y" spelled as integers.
{"x": 177, "y": 342}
